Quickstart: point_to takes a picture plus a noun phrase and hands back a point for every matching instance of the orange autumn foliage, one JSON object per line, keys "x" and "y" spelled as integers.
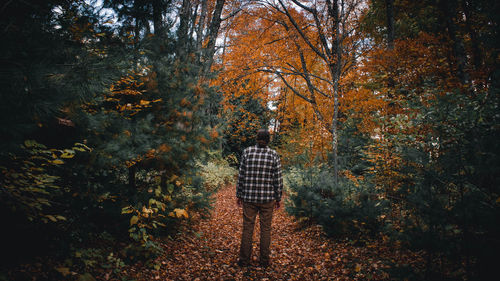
{"x": 266, "y": 57}
{"x": 410, "y": 65}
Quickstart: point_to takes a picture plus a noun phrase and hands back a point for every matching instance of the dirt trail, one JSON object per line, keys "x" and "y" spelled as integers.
{"x": 211, "y": 251}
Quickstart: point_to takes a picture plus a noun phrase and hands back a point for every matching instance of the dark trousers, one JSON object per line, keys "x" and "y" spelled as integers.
{"x": 250, "y": 210}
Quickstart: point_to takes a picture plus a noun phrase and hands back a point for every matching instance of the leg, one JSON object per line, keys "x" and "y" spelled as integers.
{"x": 265, "y": 217}
{"x": 249, "y": 214}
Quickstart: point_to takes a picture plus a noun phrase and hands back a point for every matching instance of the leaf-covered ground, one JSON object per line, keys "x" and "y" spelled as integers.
{"x": 210, "y": 252}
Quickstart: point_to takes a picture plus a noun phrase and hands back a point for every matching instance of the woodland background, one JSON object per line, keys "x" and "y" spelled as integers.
{"x": 120, "y": 119}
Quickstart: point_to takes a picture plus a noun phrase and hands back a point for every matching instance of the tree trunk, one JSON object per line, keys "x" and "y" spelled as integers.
{"x": 157, "y": 17}
{"x": 330, "y": 53}
{"x": 389, "y": 5}
{"x": 390, "y": 45}
{"x": 199, "y": 31}
{"x": 182, "y": 32}
{"x": 335, "y": 69}
{"x": 477, "y": 57}
{"x": 213, "y": 31}
{"x": 131, "y": 178}
{"x": 450, "y": 10}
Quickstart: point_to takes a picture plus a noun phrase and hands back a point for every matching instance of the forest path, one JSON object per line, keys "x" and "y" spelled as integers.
{"x": 210, "y": 252}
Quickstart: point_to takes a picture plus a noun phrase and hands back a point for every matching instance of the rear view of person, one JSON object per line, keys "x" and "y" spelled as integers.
{"x": 259, "y": 191}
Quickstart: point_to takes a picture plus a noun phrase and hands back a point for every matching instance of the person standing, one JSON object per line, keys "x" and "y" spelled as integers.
{"x": 258, "y": 191}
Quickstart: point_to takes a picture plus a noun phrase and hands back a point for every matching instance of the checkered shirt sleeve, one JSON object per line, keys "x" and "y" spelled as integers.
{"x": 259, "y": 179}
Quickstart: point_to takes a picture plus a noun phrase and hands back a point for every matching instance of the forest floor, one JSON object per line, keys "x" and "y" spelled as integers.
{"x": 298, "y": 252}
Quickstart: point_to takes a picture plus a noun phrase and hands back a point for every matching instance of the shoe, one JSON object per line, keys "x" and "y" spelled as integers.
{"x": 264, "y": 264}
{"x": 242, "y": 264}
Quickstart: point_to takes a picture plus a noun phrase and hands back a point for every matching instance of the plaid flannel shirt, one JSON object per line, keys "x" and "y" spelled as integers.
{"x": 259, "y": 179}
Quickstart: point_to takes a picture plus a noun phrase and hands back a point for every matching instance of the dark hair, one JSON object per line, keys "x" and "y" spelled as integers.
{"x": 263, "y": 134}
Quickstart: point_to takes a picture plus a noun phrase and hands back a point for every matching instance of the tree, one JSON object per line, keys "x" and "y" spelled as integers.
{"x": 425, "y": 158}
{"x": 135, "y": 108}
{"x": 299, "y": 47}
{"x": 244, "y": 115}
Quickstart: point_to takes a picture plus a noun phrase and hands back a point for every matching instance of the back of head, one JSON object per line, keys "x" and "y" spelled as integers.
{"x": 263, "y": 137}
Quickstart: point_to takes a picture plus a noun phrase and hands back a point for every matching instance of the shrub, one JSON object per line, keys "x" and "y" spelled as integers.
{"x": 161, "y": 210}
{"x": 216, "y": 171}
{"x": 344, "y": 209}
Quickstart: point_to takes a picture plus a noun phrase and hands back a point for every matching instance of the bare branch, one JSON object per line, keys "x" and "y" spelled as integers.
{"x": 299, "y": 30}
{"x": 234, "y": 13}
{"x": 295, "y": 91}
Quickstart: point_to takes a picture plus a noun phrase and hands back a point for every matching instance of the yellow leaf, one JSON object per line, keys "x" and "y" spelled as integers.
{"x": 181, "y": 213}
{"x": 57, "y": 162}
{"x": 358, "y": 267}
{"x": 134, "y": 220}
{"x": 82, "y": 146}
{"x": 127, "y": 210}
{"x": 68, "y": 154}
{"x": 152, "y": 201}
{"x": 63, "y": 270}
{"x": 29, "y": 143}
{"x": 52, "y": 218}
